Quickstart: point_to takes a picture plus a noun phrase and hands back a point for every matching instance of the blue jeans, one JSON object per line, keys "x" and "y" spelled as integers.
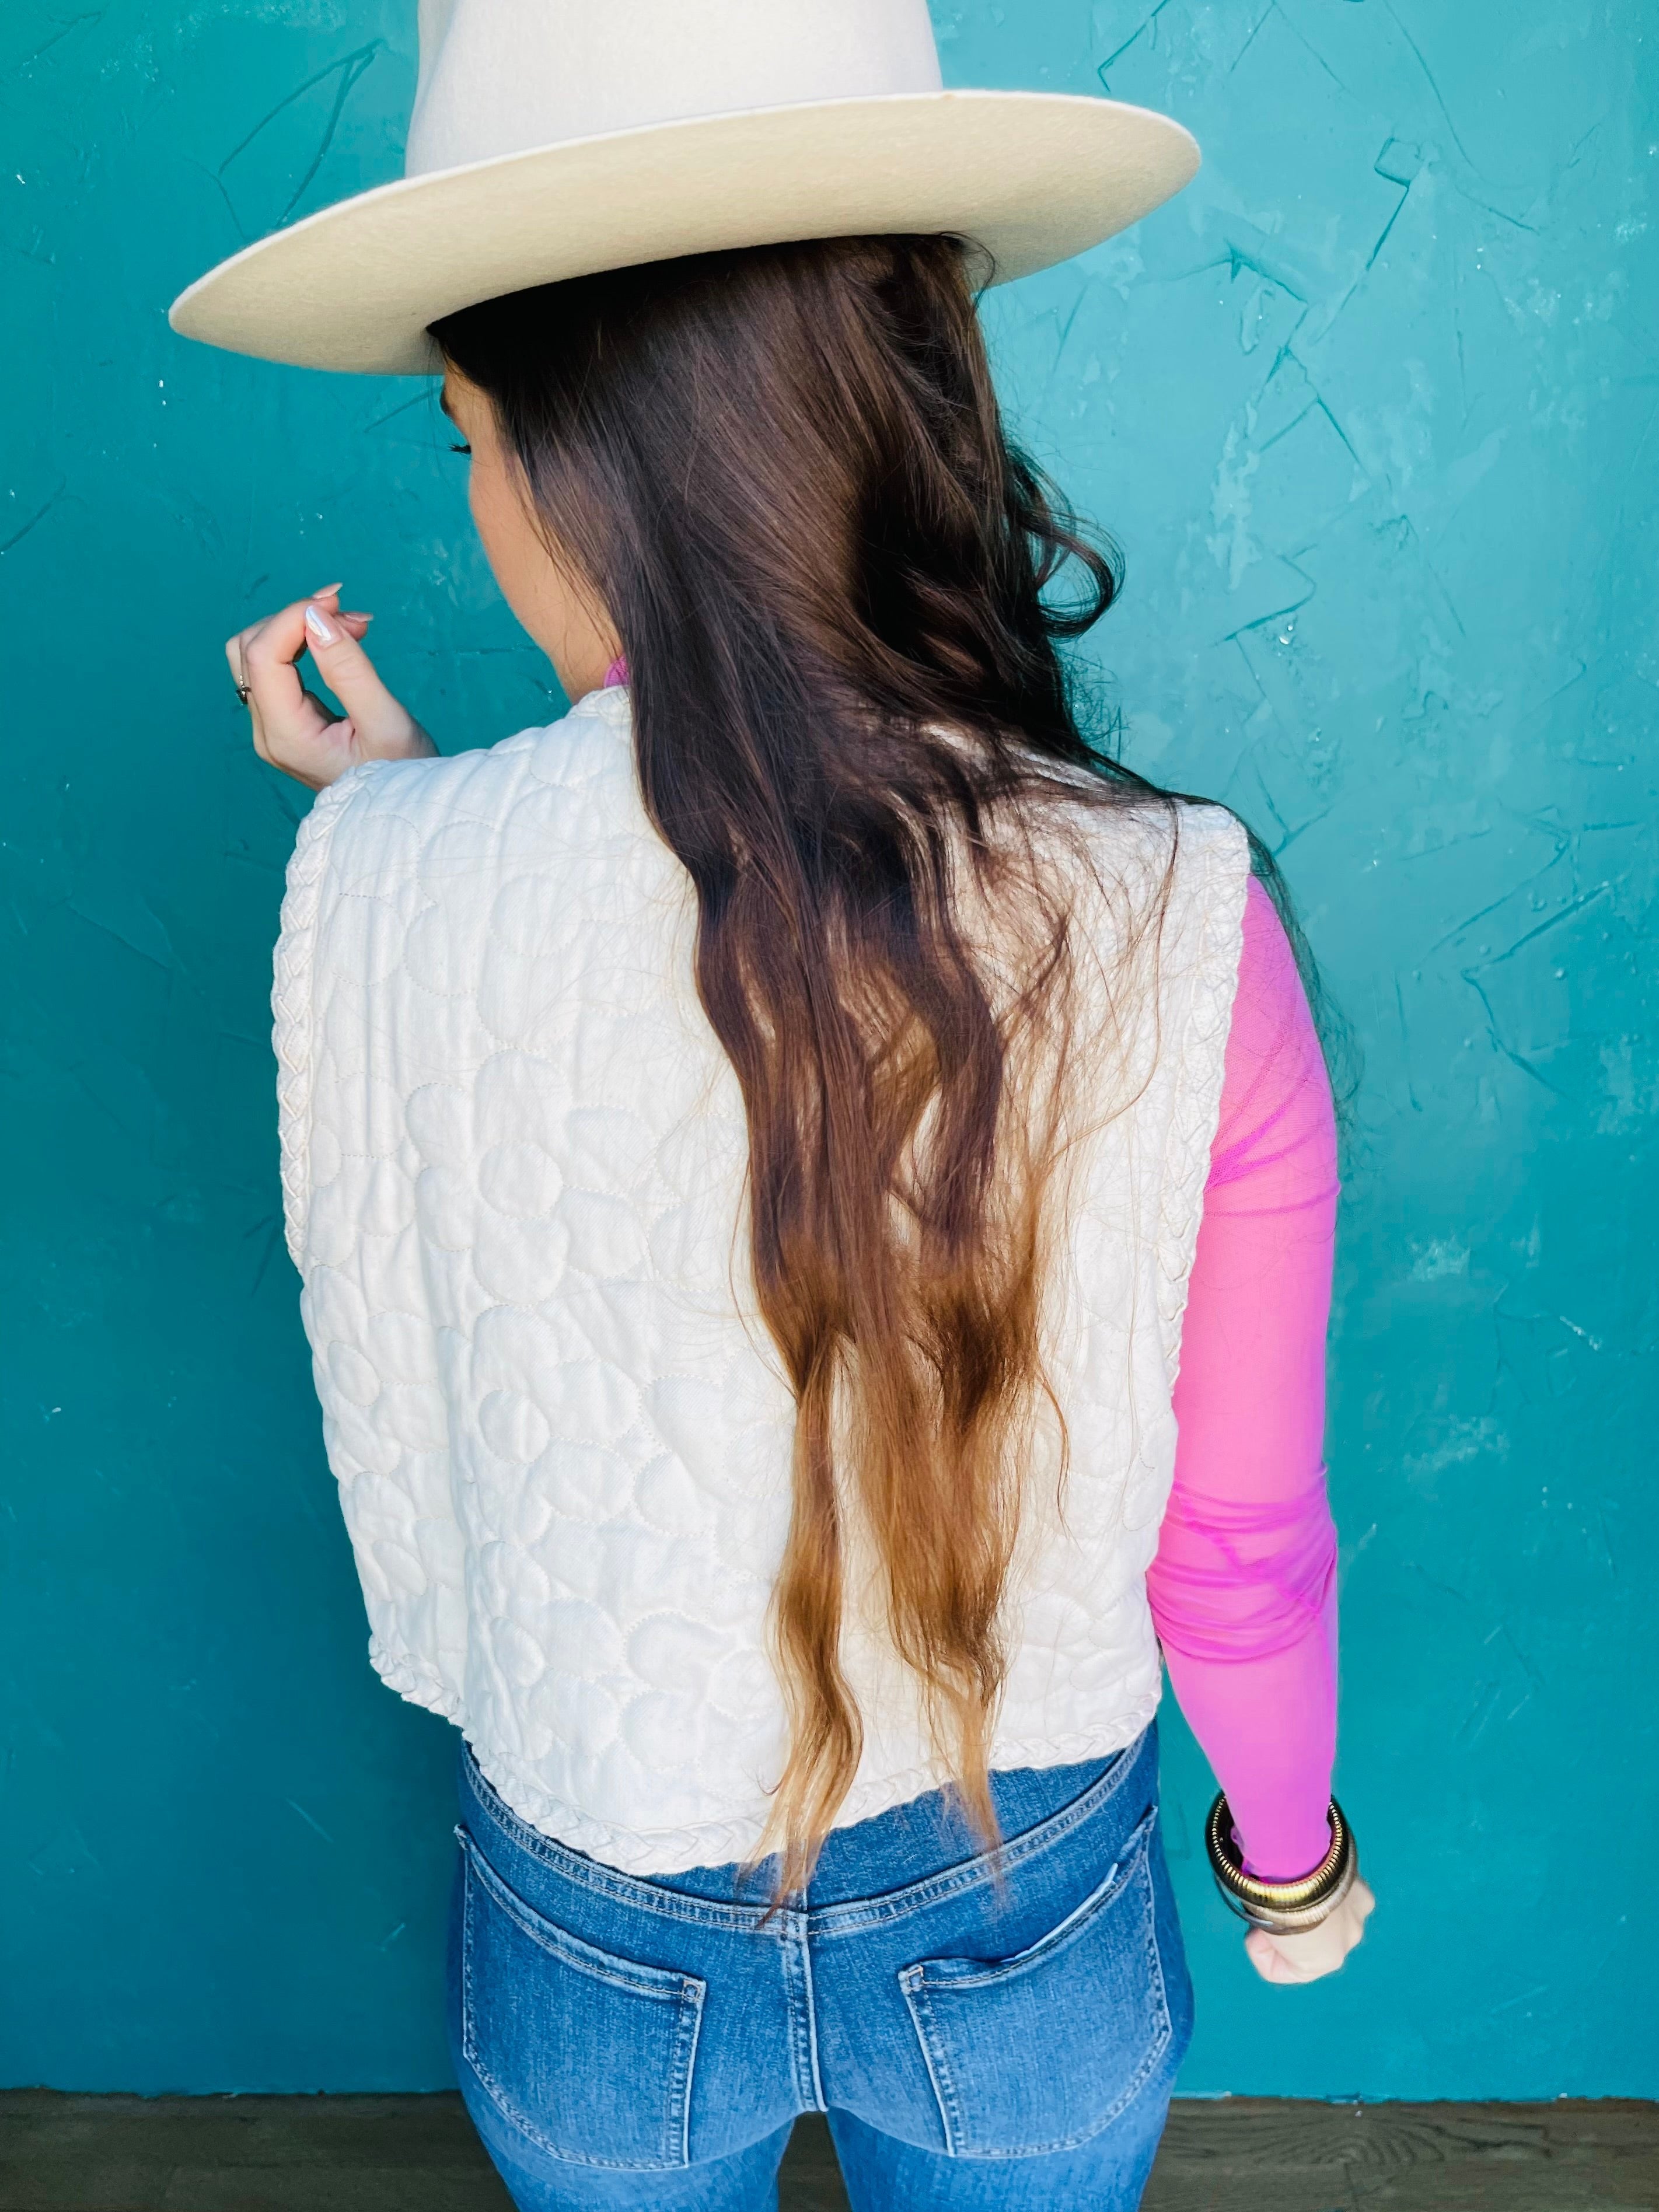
{"x": 981, "y": 2043}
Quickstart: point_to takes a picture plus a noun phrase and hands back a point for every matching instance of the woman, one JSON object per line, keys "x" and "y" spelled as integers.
{"x": 745, "y": 1148}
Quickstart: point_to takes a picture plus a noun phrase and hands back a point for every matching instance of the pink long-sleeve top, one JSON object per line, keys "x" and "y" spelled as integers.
{"x": 1243, "y": 1587}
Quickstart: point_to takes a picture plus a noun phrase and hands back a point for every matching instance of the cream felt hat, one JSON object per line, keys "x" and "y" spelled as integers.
{"x": 552, "y": 138}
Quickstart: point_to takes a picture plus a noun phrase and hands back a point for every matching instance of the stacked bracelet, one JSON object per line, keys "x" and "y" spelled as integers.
{"x": 1284, "y": 1907}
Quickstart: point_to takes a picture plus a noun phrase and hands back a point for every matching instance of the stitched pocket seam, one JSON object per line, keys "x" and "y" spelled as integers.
{"x": 932, "y": 2055}
{"x": 685, "y": 1992}
{"x": 918, "y": 1995}
{"x": 658, "y": 1982}
{"x": 1059, "y": 1940}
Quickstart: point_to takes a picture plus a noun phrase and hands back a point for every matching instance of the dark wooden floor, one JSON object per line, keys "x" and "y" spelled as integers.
{"x": 66, "y": 2153}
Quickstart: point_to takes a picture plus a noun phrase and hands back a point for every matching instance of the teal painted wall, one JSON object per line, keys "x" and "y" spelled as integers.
{"x": 1372, "y": 410}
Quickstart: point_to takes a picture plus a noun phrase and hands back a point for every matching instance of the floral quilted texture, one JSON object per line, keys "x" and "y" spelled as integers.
{"x": 513, "y": 1158}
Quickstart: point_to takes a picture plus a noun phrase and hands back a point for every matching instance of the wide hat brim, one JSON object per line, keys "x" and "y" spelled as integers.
{"x": 1032, "y": 177}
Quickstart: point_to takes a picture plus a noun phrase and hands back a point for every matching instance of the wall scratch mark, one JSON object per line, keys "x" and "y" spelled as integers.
{"x": 96, "y": 15}
{"x": 1446, "y": 1589}
{"x": 1118, "y": 52}
{"x": 1499, "y": 1043}
{"x": 1262, "y": 622}
{"x": 1479, "y": 1712}
{"x": 422, "y": 398}
{"x": 130, "y": 922}
{"x": 1271, "y": 9}
{"x": 1582, "y": 1334}
{"x": 1405, "y": 1043}
{"x": 37, "y": 517}
{"x": 1382, "y": 235}
{"x": 1302, "y": 830}
{"x": 1524, "y": 1997}
{"x": 1267, "y": 445}
{"x": 1428, "y": 73}
{"x": 272, "y": 1226}
{"x": 1236, "y": 260}
{"x": 1607, "y": 1540}
{"x": 1515, "y": 221}
{"x": 1637, "y": 451}
{"x": 1573, "y": 907}
{"x": 1480, "y": 914}
{"x": 1323, "y": 405}
{"x": 1409, "y": 534}
{"x": 296, "y": 1807}
{"x": 348, "y": 69}
{"x": 1526, "y": 1667}
{"x": 1303, "y": 40}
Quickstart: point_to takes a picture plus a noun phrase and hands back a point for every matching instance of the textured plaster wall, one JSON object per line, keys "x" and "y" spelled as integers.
{"x": 1372, "y": 410}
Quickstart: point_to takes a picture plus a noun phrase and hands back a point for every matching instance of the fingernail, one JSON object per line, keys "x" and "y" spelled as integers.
{"x": 320, "y": 627}
{"x": 326, "y": 592}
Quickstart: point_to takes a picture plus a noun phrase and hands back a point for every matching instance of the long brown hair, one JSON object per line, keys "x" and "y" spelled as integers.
{"x": 783, "y": 473}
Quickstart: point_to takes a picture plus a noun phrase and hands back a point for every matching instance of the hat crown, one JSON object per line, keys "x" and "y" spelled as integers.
{"x": 504, "y": 76}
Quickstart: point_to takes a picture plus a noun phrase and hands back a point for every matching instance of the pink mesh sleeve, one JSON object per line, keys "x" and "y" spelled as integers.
{"x": 1244, "y": 1587}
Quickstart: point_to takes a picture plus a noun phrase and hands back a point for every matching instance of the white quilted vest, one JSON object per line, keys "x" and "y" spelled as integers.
{"x": 513, "y": 1158}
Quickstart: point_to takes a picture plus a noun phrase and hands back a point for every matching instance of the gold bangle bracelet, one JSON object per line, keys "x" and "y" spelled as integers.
{"x": 1284, "y": 1906}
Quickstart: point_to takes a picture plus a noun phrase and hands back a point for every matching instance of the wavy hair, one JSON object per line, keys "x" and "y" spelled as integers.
{"x": 784, "y": 474}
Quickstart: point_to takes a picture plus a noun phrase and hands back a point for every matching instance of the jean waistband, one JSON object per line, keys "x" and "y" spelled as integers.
{"x": 923, "y": 1836}
{"x": 881, "y": 1868}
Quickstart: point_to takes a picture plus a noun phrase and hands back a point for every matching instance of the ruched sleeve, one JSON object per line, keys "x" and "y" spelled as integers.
{"x": 1244, "y": 1587}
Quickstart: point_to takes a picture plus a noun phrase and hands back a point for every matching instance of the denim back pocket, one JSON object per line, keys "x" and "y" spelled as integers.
{"x": 587, "y": 2055}
{"x": 1040, "y": 2051}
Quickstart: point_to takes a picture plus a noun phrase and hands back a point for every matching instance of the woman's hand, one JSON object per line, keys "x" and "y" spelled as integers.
{"x": 1316, "y": 1951}
{"x": 292, "y": 728}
